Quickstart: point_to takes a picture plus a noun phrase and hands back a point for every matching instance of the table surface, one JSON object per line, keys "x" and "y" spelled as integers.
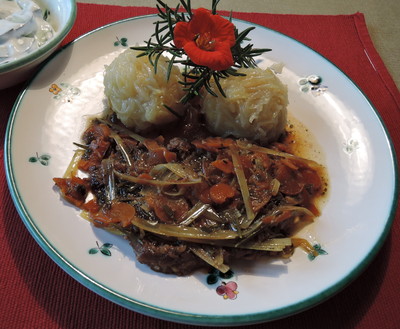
{"x": 381, "y": 17}
{"x": 25, "y": 304}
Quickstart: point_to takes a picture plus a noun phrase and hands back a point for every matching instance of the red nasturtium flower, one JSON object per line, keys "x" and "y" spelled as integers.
{"x": 207, "y": 39}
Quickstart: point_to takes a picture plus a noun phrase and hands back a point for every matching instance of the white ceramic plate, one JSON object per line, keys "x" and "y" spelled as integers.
{"x": 50, "y": 114}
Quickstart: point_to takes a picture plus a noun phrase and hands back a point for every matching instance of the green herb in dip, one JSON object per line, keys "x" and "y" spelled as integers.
{"x": 23, "y": 28}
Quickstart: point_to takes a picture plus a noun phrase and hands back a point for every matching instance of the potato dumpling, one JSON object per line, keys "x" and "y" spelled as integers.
{"x": 137, "y": 94}
{"x": 255, "y": 106}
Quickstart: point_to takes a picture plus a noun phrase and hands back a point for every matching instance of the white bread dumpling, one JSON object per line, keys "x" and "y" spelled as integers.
{"x": 255, "y": 106}
{"x": 137, "y": 94}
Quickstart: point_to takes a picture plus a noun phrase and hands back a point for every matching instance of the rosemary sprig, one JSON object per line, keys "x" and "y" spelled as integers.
{"x": 195, "y": 77}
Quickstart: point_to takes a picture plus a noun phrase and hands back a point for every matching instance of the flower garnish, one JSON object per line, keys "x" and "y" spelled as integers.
{"x": 207, "y": 39}
{"x": 208, "y": 46}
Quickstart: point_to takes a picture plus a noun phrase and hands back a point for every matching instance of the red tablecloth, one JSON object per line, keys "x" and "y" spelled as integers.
{"x": 36, "y": 293}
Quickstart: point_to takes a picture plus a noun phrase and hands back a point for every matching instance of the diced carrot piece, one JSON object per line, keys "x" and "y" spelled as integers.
{"x": 91, "y": 206}
{"x": 167, "y": 210}
{"x": 311, "y": 177}
{"x": 158, "y": 151}
{"x": 224, "y": 165}
{"x": 277, "y": 219}
{"x": 73, "y": 189}
{"x": 122, "y": 212}
{"x": 84, "y": 165}
{"x": 151, "y": 144}
{"x": 169, "y": 156}
{"x": 221, "y": 192}
{"x": 213, "y": 144}
{"x": 145, "y": 176}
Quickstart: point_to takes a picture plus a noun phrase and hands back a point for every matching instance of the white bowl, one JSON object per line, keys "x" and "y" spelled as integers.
{"x": 62, "y": 18}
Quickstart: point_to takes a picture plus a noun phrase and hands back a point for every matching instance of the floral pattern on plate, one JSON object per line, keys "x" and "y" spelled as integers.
{"x": 65, "y": 93}
{"x": 121, "y": 42}
{"x": 43, "y": 159}
{"x": 312, "y": 83}
{"x": 104, "y": 249}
